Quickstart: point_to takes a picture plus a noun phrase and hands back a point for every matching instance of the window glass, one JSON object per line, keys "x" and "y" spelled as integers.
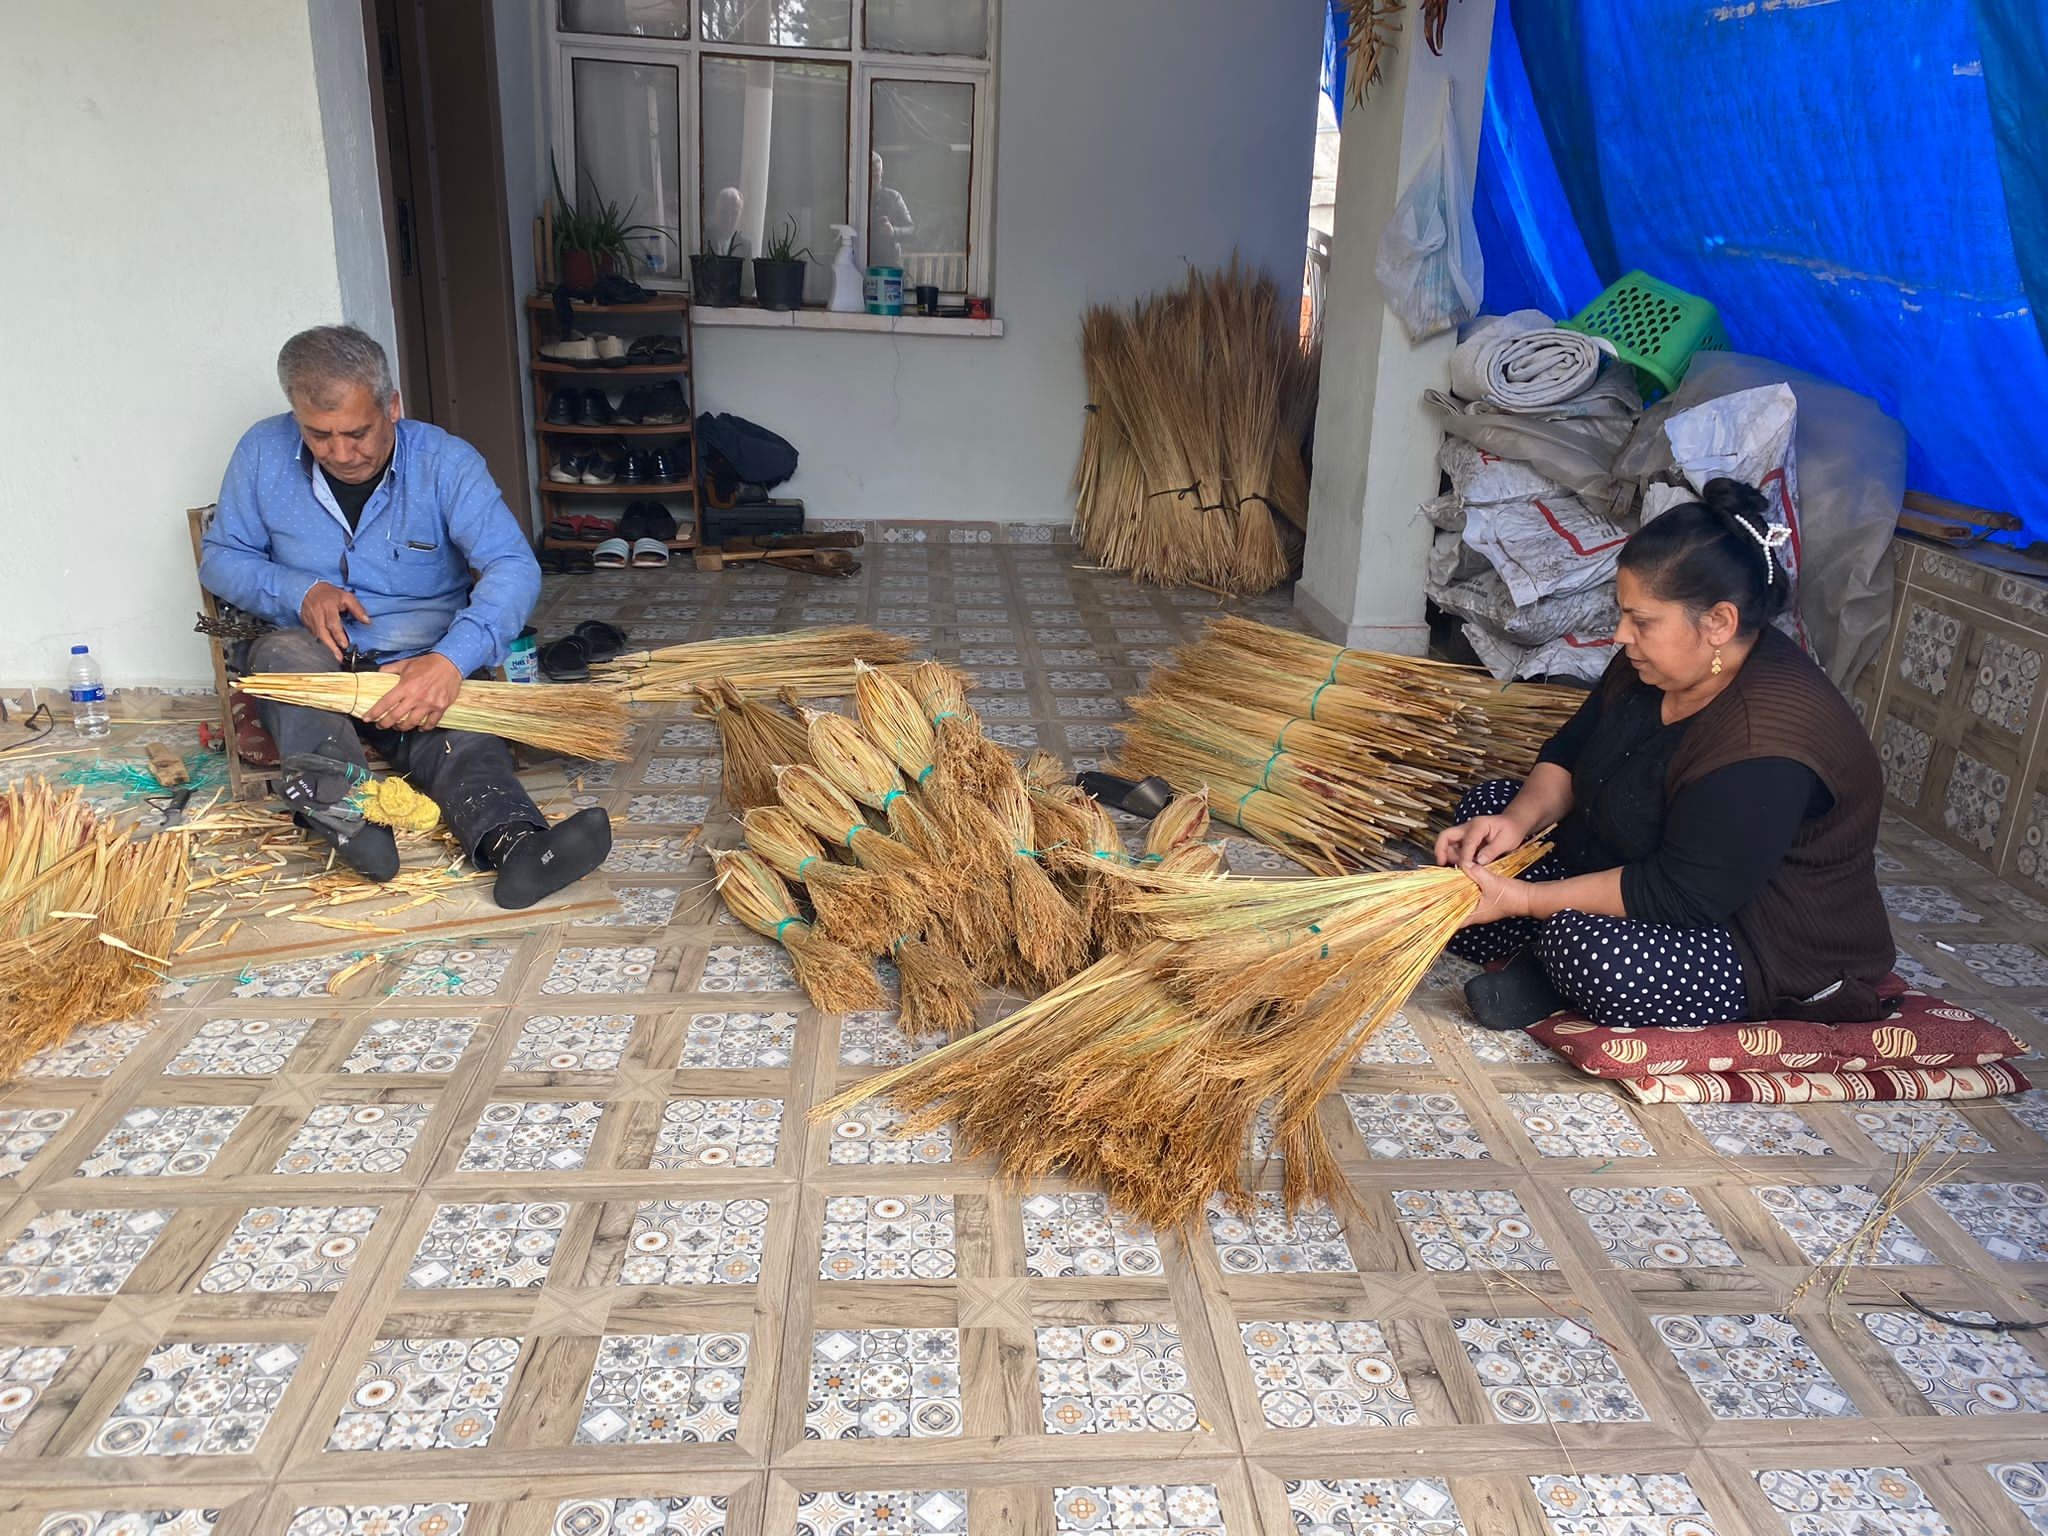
{"x": 775, "y": 152}
{"x": 628, "y": 18}
{"x": 629, "y": 151}
{"x": 780, "y": 23}
{"x": 920, "y": 172}
{"x": 929, "y": 26}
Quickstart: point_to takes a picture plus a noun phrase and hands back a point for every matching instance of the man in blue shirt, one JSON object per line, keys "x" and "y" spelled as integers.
{"x": 373, "y": 541}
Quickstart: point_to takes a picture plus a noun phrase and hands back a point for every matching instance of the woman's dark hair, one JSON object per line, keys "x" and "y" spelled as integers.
{"x": 1719, "y": 549}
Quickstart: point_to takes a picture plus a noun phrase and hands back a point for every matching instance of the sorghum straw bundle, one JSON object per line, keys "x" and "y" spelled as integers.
{"x": 968, "y": 762}
{"x": 576, "y": 720}
{"x": 1140, "y": 1077}
{"x": 85, "y": 909}
{"x": 756, "y": 741}
{"x": 940, "y": 994}
{"x": 843, "y": 754}
{"x": 1185, "y": 820}
{"x": 895, "y": 721}
{"x": 816, "y": 663}
{"x": 856, "y": 907}
{"x": 834, "y": 978}
{"x": 820, "y": 805}
{"x": 1049, "y": 932}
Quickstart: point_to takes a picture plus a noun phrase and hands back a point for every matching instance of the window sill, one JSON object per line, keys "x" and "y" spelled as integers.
{"x": 748, "y": 318}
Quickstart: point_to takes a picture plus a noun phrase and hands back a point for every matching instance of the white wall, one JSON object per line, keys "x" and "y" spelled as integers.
{"x": 355, "y": 195}
{"x": 1133, "y": 137}
{"x": 166, "y": 225}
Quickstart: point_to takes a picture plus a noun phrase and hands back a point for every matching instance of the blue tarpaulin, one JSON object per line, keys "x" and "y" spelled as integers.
{"x": 1860, "y": 186}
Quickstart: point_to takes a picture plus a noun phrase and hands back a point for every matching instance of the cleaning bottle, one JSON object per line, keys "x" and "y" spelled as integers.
{"x": 847, "y": 297}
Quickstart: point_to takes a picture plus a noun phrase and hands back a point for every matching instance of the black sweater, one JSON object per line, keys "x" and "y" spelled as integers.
{"x": 1691, "y": 860}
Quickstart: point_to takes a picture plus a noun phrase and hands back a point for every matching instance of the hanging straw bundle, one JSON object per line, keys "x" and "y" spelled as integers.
{"x": 1144, "y": 1073}
{"x": 756, "y": 741}
{"x": 856, "y": 907}
{"x": 834, "y": 978}
{"x": 85, "y": 912}
{"x": 574, "y": 720}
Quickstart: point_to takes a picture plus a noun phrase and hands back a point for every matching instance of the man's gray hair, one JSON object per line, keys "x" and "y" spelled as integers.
{"x": 318, "y": 367}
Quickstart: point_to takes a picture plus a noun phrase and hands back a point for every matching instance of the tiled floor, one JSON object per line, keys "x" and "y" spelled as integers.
{"x": 535, "y": 1235}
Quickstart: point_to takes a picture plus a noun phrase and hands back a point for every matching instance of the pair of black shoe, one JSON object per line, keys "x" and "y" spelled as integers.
{"x": 580, "y": 408}
{"x": 613, "y": 463}
{"x": 647, "y": 520}
{"x": 654, "y": 404}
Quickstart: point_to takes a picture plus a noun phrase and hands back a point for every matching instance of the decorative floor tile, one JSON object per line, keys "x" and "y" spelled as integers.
{"x": 1547, "y": 1369}
{"x": 1920, "y": 905}
{"x": 1661, "y": 1227}
{"x": 1325, "y": 1375}
{"x": 871, "y": 1134}
{"x": 700, "y": 734}
{"x": 681, "y": 770}
{"x": 1419, "y": 1506}
{"x": 2026, "y": 1484}
{"x": 697, "y": 1514}
{"x": 426, "y": 1395}
{"x": 738, "y": 1041}
{"x": 79, "y": 1253}
{"x": 2029, "y": 1108}
{"x": 600, "y": 968}
{"x": 428, "y": 1044}
{"x": 888, "y": 1237}
{"x": 354, "y": 1138}
{"x": 692, "y": 809}
{"x": 1481, "y": 1229}
{"x": 1245, "y": 857}
{"x": 877, "y": 1040}
{"x": 506, "y": 1246}
{"x": 695, "y": 1242}
{"x": 1914, "y": 974}
{"x": 172, "y": 1140}
{"x": 293, "y": 978}
{"x": 379, "y": 1520}
{"x": 581, "y": 1042}
{"x": 2004, "y": 965}
{"x": 23, "y": 1133}
{"x": 1139, "y": 1509}
{"x": 651, "y": 855}
{"x": 640, "y": 906}
{"x": 1504, "y": 1048}
{"x": 747, "y": 968}
{"x": 1394, "y": 1044}
{"x": 1858, "y": 1501}
{"x": 1579, "y": 1125}
{"x": 891, "y": 1512}
{"x": 1753, "y": 1366}
{"x": 25, "y": 1370}
{"x": 129, "y": 1522}
{"x": 92, "y": 1051}
{"x": 1961, "y": 1371}
{"x": 308, "y": 1248}
{"x": 1742, "y": 1130}
{"x": 718, "y": 1133}
{"x": 1414, "y": 1125}
{"x": 2009, "y": 1221}
{"x": 1824, "y": 1220}
{"x": 1106, "y": 1381}
{"x": 884, "y": 1383}
{"x": 1070, "y": 1234}
{"x": 1621, "y": 1504}
{"x": 1903, "y": 1129}
{"x": 664, "y": 1389}
{"x": 1265, "y": 1241}
{"x": 529, "y": 1137}
{"x": 238, "y": 1047}
{"x": 453, "y": 972}
{"x": 199, "y": 1400}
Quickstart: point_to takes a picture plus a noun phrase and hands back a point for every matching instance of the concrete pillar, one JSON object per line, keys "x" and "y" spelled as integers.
{"x": 1375, "y": 446}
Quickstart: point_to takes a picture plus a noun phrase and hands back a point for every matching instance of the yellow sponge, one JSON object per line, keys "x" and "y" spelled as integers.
{"x": 395, "y": 803}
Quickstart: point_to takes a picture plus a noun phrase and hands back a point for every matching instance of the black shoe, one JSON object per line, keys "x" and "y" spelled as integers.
{"x": 656, "y": 521}
{"x": 613, "y": 289}
{"x": 665, "y": 403}
{"x": 562, "y": 406}
{"x": 594, "y": 409}
{"x": 671, "y": 465}
{"x": 632, "y": 407}
{"x": 637, "y": 470}
{"x": 601, "y": 465}
{"x": 568, "y": 466}
{"x": 1515, "y": 996}
{"x": 317, "y": 785}
{"x": 533, "y": 862}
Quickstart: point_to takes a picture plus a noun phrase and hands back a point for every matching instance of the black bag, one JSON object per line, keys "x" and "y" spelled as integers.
{"x": 750, "y": 453}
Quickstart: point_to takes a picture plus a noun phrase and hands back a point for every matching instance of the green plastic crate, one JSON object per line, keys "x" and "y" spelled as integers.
{"x": 1655, "y": 328}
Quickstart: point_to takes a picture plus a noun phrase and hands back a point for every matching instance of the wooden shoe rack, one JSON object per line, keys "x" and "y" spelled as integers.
{"x": 662, "y": 315}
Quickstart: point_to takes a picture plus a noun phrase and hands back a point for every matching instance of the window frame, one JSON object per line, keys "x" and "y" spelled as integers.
{"x": 865, "y": 65}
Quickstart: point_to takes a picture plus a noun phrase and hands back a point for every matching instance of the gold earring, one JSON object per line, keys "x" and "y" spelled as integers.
{"x": 1717, "y": 661}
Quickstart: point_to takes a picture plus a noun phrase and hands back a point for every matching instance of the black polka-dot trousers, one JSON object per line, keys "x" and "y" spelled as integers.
{"x": 1615, "y": 970}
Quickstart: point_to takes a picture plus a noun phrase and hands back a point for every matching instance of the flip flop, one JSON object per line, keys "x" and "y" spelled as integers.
{"x": 611, "y": 555}
{"x": 1144, "y": 798}
{"x": 602, "y": 641}
{"x": 566, "y": 660}
{"x": 648, "y": 553}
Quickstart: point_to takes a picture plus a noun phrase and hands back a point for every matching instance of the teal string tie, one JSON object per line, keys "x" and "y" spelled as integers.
{"x": 929, "y": 770}
{"x": 894, "y": 794}
{"x": 1238, "y": 815}
{"x": 1312, "y": 698}
{"x": 945, "y": 714}
{"x": 855, "y": 830}
{"x": 804, "y": 862}
{"x": 1266, "y": 773}
{"x": 785, "y": 923}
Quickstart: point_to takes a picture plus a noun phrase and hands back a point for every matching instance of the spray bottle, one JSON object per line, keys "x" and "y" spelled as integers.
{"x": 847, "y": 297}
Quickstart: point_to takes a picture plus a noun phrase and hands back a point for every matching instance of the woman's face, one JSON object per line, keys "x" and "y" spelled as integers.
{"x": 1670, "y": 648}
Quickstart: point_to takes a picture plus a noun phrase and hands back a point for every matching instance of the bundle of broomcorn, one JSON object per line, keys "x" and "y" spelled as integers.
{"x": 86, "y": 916}
{"x": 809, "y": 663}
{"x": 1327, "y": 754}
{"x": 575, "y": 720}
{"x": 1143, "y": 1074}
{"x": 1200, "y": 399}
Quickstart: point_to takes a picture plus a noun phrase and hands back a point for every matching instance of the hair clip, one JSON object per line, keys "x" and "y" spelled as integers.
{"x": 1773, "y": 537}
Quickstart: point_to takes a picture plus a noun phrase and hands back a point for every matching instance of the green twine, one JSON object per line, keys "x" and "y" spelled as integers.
{"x": 929, "y": 770}
{"x": 894, "y": 794}
{"x": 945, "y": 714}
{"x": 804, "y": 862}
{"x": 785, "y": 923}
{"x": 1266, "y": 773}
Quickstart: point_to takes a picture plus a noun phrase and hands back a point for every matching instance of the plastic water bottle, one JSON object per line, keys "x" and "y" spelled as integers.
{"x": 89, "y": 716}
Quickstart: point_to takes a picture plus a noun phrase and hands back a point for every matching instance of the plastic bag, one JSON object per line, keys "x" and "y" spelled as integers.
{"x": 1484, "y": 598}
{"x": 1428, "y": 262}
{"x": 1581, "y": 656}
{"x": 1545, "y": 545}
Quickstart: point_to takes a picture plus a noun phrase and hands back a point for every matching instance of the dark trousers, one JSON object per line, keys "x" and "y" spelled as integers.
{"x": 1617, "y": 971}
{"x": 469, "y": 775}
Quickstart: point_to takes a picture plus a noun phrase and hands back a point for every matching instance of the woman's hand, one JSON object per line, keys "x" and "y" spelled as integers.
{"x": 1498, "y": 897}
{"x": 1478, "y": 841}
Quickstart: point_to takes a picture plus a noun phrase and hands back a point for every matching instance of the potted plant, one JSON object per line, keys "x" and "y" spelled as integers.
{"x": 779, "y": 271}
{"x": 590, "y": 238}
{"x": 715, "y": 273}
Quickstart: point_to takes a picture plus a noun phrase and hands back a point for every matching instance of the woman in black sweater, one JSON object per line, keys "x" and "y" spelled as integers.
{"x": 1715, "y": 802}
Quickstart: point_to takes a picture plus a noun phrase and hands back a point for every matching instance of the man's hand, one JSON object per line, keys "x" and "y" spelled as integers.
{"x": 1498, "y": 897}
{"x": 426, "y": 687}
{"x": 321, "y": 613}
{"x": 1478, "y": 841}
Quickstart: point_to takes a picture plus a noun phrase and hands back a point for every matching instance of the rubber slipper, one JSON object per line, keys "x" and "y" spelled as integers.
{"x": 566, "y": 660}
{"x": 611, "y": 555}
{"x": 648, "y": 553}
{"x": 603, "y": 641}
{"x": 1145, "y": 798}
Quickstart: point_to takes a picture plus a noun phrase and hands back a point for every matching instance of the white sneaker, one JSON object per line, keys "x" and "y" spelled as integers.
{"x": 573, "y": 348}
{"x": 607, "y": 345}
